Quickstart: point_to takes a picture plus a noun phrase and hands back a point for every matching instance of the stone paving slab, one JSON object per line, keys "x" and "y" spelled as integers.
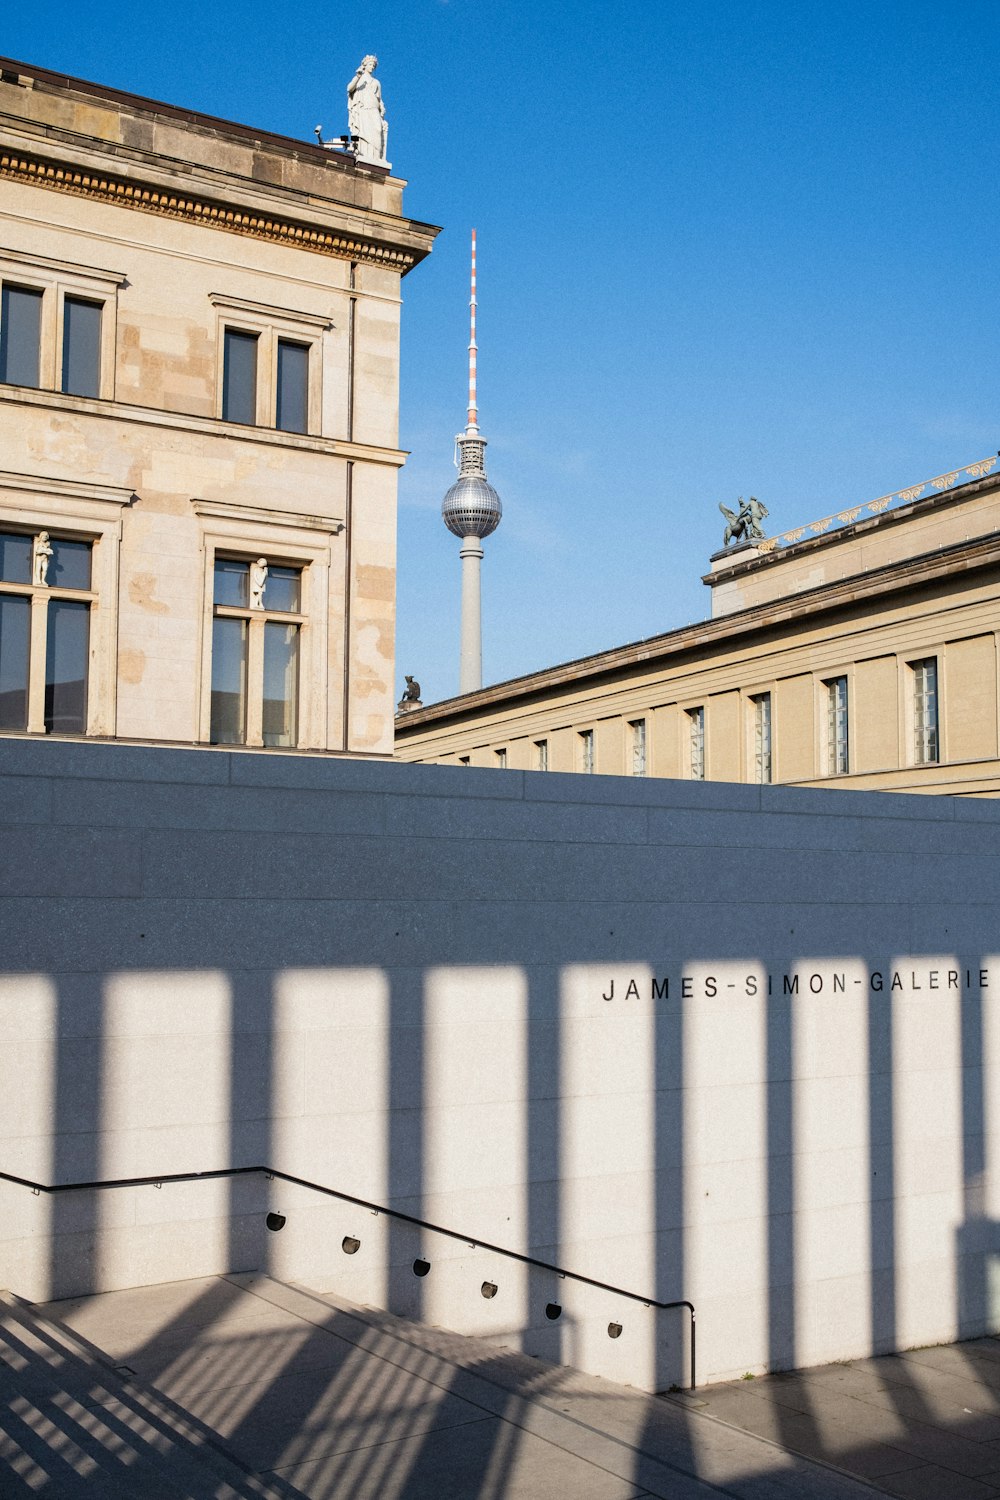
{"x": 243, "y": 1387}
{"x": 922, "y": 1425}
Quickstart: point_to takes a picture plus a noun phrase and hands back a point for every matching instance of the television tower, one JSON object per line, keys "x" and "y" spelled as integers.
{"x": 471, "y": 510}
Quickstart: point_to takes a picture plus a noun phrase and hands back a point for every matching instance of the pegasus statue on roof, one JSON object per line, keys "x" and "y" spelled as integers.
{"x": 743, "y": 525}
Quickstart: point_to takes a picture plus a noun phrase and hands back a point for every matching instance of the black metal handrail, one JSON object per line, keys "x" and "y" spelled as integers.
{"x": 157, "y": 1180}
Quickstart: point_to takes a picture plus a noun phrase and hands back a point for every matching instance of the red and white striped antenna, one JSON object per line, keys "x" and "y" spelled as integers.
{"x": 473, "y": 417}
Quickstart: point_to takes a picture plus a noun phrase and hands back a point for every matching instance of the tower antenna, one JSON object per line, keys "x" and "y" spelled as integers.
{"x": 473, "y": 414}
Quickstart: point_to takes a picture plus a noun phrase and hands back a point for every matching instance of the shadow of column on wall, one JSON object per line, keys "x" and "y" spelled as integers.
{"x": 780, "y": 1146}
{"x": 78, "y": 1106}
{"x": 252, "y": 1101}
{"x": 405, "y": 1167}
{"x": 882, "y": 1181}
{"x": 671, "y": 1369}
{"x": 977, "y": 1242}
{"x": 544, "y": 1153}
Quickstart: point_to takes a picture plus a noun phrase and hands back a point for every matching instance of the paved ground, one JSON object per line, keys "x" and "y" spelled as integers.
{"x": 924, "y": 1425}
{"x": 239, "y": 1387}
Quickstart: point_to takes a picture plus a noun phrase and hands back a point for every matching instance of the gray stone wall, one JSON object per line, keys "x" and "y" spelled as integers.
{"x": 726, "y": 1043}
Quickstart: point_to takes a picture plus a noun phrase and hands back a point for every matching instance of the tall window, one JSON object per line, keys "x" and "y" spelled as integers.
{"x": 925, "y": 711}
{"x": 837, "y": 744}
{"x": 81, "y": 351}
{"x": 762, "y": 737}
{"x": 587, "y": 751}
{"x": 265, "y": 378}
{"x": 239, "y": 377}
{"x": 638, "y": 728}
{"x": 255, "y": 653}
{"x": 501, "y": 758}
{"x": 292, "y": 407}
{"x": 20, "y": 335}
{"x": 45, "y": 601}
{"x": 696, "y": 743}
{"x": 541, "y": 755}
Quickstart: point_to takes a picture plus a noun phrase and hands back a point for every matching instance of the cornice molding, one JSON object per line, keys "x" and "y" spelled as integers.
{"x": 231, "y": 432}
{"x": 70, "y": 489}
{"x": 198, "y": 208}
{"x": 259, "y": 515}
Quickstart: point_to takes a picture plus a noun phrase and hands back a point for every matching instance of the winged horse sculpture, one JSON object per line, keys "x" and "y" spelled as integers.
{"x": 744, "y": 525}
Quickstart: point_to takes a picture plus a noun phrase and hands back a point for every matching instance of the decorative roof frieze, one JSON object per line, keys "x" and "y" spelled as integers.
{"x": 199, "y": 208}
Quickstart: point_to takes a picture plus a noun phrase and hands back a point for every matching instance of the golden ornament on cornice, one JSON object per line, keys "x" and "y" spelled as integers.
{"x": 943, "y": 481}
{"x": 766, "y": 544}
{"x": 127, "y": 193}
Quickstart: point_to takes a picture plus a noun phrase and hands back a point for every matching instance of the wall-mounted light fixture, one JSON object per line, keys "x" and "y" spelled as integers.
{"x": 614, "y": 1330}
{"x": 488, "y": 1289}
{"x": 275, "y": 1222}
{"x": 421, "y": 1267}
{"x": 350, "y": 1245}
{"x": 552, "y": 1311}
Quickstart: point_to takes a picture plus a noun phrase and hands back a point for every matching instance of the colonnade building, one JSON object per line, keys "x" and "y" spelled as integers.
{"x": 199, "y": 360}
{"x": 859, "y": 650}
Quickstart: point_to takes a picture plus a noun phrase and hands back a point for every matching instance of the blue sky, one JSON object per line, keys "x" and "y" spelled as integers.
{"x": 723, "y": 248}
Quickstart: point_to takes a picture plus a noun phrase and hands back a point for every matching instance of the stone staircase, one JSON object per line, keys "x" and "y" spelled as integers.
{"x": 72, "y": 1424}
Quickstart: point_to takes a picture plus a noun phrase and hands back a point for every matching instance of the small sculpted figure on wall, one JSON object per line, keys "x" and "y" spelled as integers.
{"x": 41, "y": 552}
{"x": 411, "y": 695}
{"x": 258, "y": 582}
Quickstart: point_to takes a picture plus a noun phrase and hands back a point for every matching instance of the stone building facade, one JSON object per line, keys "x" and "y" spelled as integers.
{"x": 199, "y": 357}
{"x": 860, "y": 651}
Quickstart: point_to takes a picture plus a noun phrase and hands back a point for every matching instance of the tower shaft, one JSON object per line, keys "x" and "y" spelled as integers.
{"x": 470, "y": 667}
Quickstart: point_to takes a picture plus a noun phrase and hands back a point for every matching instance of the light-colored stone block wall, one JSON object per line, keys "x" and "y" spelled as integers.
{"x": 726, "y": 1043}
{"x": 268, "y": 236}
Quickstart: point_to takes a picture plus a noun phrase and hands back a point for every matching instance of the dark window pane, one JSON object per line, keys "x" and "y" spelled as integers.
{"x": 232, "y": 582}
{"x": 229, "y": 682}
{"x": 15, "y": 558}
{"x": 282, "y": 590}
{"x": 69, "y": 565}
{"x": 66, "y": 667}
{"x": 20, "y": 330}
{"x": 281, "y": 681}
{"x": 239, "y": 377}
{"x": 81, "y": 362}
{"x": 14, "y": 632}
{"x": 293, "y": 386}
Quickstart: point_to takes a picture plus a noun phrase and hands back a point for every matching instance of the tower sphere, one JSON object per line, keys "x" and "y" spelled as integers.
{"x": 471, "y": 507}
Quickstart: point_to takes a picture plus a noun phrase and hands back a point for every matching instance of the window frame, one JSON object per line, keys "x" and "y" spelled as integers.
{"x": 58, "y": 280}
{"x": 689, "y": 711}
{"x": 303, "y": 542}
{"x": 827, "y": 683}
{"x": 586, "y": 740}
{"x": 639, "y": 745}
{"x": 915, "y": 758}
{"x": 257, "y": 621}
{"x": 271, "y": 326}
{"x": 541, "y": 749}
{"x": 77, "y": 512}
{"x": 756, "y": 701}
